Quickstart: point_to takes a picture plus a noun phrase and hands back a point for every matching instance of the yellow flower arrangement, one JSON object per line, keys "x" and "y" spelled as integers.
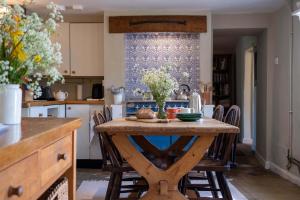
{"x": 27, "y": 54}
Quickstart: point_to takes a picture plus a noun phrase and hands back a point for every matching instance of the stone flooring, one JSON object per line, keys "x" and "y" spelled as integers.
{"x": 249, "y": 178}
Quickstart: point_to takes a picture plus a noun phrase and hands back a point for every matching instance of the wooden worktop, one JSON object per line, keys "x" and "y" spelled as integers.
{"x": 202, "y": 127}
{"x": 18, "y": 141}
{"x": 28, "y": 104}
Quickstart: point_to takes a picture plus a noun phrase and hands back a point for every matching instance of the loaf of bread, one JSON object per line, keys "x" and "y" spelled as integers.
{"x": 145, "y": 113}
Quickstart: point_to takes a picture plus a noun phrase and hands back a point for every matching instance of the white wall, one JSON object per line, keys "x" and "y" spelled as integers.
{"x": 296, "y": 90}
{"x": 240, "y": 21}
{"x": 280, "y": 140}
{"x": 114, "y": 50}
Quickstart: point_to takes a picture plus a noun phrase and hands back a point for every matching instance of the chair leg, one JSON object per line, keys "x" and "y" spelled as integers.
{"x": 223, "y": 186}
{"x": 116, "y": 186}
{"x": 212, "y": 184}
{"x": 233, "y": 163}
{"x": 110, "y": 186}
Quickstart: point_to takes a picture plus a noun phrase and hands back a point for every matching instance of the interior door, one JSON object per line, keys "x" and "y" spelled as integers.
{"x": 82, "y": 112}
{"x": 86, "y": 49}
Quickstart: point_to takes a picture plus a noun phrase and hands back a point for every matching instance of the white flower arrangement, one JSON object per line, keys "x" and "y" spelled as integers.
{"x": 161, "y": 84}
{"x": 27, "y": 54}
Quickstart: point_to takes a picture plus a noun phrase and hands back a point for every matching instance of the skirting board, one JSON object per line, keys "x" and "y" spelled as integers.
{"x": 285, "y": 174}
{"x": 247, "y": 141}
{"x": 262, "y": 161}
{"x": 278, "y": 170}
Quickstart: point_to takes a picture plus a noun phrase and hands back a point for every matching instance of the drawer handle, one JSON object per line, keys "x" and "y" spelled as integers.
{"x": 40, "y": 115}
{"x": 15, "y": 191}
{"x": 73, "y": 72}
{"x": 66, "y": 71}
{"x": 62, "y": 156}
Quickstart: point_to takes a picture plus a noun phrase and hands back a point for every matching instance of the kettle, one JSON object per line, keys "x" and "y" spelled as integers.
{"x": 195, "y": 102}
{"x": 183, "y": 92}
{"x": 61, "y": 96}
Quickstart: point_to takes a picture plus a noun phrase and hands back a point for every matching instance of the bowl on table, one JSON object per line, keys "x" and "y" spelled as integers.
{"x": 189, "y": 117}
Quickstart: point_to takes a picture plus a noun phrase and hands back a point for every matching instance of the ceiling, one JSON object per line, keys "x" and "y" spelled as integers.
{"x": 216, "y": 6}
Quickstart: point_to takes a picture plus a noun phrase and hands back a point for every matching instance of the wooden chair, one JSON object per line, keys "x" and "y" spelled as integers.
{"x": 217, "y": 161}
{"x": 117, "y": 167}
{"x": 107, "y": 113}
{"x": 218, "y": 113}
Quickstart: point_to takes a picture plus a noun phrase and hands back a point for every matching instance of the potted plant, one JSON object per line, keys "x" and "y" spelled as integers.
{"x": 27, "y": 56}
{"x": 161, "y": 84}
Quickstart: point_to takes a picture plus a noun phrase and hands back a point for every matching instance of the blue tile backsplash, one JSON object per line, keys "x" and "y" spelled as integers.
{"x": 148, "y": 50}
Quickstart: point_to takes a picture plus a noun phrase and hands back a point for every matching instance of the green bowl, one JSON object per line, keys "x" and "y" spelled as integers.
{"x": 189, "y": 117}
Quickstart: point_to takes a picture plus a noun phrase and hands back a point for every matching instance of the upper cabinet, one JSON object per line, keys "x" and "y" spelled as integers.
{"x": 86, "y": 47}
{"x": 82, "y": 48}
{"x": 62, "y": 36}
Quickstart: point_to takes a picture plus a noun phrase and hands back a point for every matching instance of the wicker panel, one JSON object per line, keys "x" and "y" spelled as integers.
{"x": 58, "y": 191}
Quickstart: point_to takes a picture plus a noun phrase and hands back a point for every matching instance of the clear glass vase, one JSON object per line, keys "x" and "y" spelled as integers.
{"x": 161, "y": 114}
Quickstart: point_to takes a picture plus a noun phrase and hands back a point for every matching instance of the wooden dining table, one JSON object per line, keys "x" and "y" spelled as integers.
{"x": 163, "y": 181}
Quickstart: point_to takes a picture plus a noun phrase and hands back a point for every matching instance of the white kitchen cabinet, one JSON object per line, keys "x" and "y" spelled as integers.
{"x": 86, "y": 49}
{"x": 36, "y": 111}
{"x": 62, "y": 36}
{"x": 82, "y": 112}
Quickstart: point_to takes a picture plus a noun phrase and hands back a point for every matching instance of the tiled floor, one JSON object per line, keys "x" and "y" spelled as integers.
{"x": 252, "y": 180}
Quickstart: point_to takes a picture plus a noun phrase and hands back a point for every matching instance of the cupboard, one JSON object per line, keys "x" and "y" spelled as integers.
{"x": 82, "y": 48}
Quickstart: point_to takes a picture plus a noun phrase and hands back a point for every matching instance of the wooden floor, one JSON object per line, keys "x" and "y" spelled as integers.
{"x": 250, "y": 178}
{"x": 256, "y": 183}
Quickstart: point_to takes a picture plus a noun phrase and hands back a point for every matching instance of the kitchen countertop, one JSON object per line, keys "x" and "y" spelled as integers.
{"x": 32, "y": 133}
{"x": 28, "y": 104}
{"x": 142, "y": 101}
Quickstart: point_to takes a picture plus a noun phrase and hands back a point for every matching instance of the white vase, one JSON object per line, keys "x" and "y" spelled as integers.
{"x": 10, "y": 104}
{"x": 118, "y": 98}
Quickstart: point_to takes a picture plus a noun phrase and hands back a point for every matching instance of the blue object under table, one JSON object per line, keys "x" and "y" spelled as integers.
{"x": 161, "y": 142}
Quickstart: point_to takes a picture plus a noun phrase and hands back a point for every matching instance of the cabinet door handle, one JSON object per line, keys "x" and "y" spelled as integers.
{"x": 15, "y": 191}
{"x": 66, "y": 71}
{"x": 69, "y": 108}
{"x": 40, "y": 114}
{"x": 62, "y": 156}
{"x": 73, "y": 72}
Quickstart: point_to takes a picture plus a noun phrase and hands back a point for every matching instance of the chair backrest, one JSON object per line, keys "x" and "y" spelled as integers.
{"x": 111, "y": 152}
{"x": 107, "y": 113}
{"x": 224, "y": 141}
{"x": 218, "y": 113}
{"x": 99, "y": 120}
{"x": 233, "y": 116}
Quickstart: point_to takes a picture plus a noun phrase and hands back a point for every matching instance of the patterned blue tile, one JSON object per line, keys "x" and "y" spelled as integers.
{"x": 152, "y": 50}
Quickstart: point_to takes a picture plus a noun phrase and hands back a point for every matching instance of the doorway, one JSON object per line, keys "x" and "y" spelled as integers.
{"x": 241, "y": 45}
{"x": 249, "y": 98}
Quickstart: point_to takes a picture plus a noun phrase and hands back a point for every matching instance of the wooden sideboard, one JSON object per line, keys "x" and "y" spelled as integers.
{"x": 35, "y": 154}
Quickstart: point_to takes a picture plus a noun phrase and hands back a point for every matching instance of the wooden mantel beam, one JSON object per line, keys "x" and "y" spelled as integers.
{"x": 163, "y": 23}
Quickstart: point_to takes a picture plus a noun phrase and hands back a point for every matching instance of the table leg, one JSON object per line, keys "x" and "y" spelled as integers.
{"x": 163, "y": 184}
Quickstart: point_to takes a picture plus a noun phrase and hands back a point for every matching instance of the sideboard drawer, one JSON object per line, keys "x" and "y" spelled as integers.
{"x": 21, "y": 180}
{"x": 55, "y": 158}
